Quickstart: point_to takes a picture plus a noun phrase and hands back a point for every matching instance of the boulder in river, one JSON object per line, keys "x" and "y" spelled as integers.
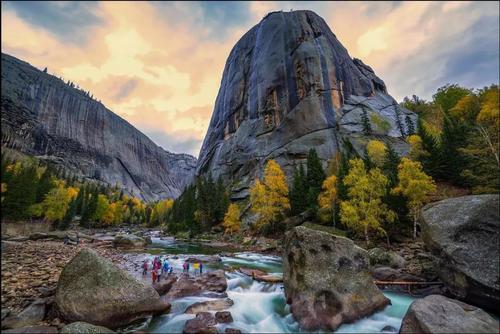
{"x": 380, "y": 257}
{"x": 210, "y": 305}
{"x": 463, "y": 233}
{"x": 438, "y": 314}
{"x": 214, "y": 281}
{"x": 94, "y": 290}
{"x": 81, "y": 327}
{"x": 203, "y": 323}
{"x": 129, "y": 241}
{"x": 327, "y": 280}
{"x": 223, "y": 317}
{"x": 165, "y": 285}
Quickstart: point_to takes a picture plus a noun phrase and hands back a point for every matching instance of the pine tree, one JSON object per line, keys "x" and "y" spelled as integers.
{"x": 409, "y": 126}
{"x": 21, "y": 194}
{"x": 297, "y": 201}
{"x": 431, "y": 161}
{"x": 44, "y": 185}
{"x": 68, "y": 217}
{"x": 315, "y": 177}
{"x": 365, "y": 122}
{"x": 390, "y": 165}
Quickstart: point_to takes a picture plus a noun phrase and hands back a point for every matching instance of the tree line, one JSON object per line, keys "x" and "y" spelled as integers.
{"x": 31, "y": 189}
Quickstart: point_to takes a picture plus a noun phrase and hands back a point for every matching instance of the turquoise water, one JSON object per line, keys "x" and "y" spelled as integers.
{"x": 261, "y": 307}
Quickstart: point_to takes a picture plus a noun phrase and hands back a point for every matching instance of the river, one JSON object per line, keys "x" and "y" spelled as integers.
{"x": 258, "y": 307}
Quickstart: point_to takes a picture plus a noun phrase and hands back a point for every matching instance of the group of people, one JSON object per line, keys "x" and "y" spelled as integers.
{"x": 197, "y": 267}
{"x": 158, "y": 268}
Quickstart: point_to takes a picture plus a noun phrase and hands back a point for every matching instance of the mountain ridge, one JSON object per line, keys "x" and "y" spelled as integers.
{"x": 45, "y": 117}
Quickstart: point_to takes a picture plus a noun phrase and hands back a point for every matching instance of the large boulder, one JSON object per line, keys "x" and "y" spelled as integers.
{"x": 31, "y": 315}
{"x": 165, "y": 285}
{"x": 438, "y": 314}
{"x": 214, "y": 281}
{"x": 380, "y": 257}
{"x": 81, "y": 327}
{"x": 203, "y": 323}
{"x": 210, "y": 305}
{"x": 129, "y": 241}
{"x": 94, "y": 290}
{"x": 327, "y": 280}
{"x": 463, "y": 233}
{"x": 289, "y": 85}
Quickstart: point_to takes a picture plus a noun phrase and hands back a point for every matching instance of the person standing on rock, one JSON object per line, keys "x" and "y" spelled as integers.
{"x": 153, "y": 275}
{"x": 201, "y": 268}
{"x": 165, "y": 266}
{"x": 145, "y": 268}
{"x": 196, "y": 266}
{"x": 158, "y": 273}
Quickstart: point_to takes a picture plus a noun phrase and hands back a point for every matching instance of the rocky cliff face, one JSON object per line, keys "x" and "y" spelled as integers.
{"x": 44, "y": 117}
{"x": 289, "y": 85}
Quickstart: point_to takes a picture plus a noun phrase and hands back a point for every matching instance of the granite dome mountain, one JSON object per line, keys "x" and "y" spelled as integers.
{"x": 44, "y": 117}
{"x": 288, "y": 86}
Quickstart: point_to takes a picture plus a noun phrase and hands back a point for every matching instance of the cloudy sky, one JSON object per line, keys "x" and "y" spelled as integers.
{"x": 159, "y": 64}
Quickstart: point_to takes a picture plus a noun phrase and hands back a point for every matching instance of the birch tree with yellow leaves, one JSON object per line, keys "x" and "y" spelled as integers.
{"x": 231, "y": 221}
{"x": 328, "y": 196}
{"x": 415, "y": 185}
{"x": 364, "y": 209}
{"x": 269, "y": 198}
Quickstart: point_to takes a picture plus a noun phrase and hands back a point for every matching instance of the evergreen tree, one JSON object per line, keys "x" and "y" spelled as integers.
{"x": 21, "y": 194}
{"x": 409, "y": 126}
{"x": 367, "y": 160}
{"x": 68, "y": 217}
{"x": 222, "y": 203}
{"x": 390, "y": 165}
{"x": 315, "y": 177}
{"x": 297, "y": 201}
{"x": 452, "y": 162}
{"x": 431, "y": 161}
{"x": 44, "y": 185}
{"x": 90, "y": 207}
{"x": 365, "y": 122}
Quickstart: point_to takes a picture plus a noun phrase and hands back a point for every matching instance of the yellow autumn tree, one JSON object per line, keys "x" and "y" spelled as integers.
{"x": 57, "y": 201}
{"x": 376, "y": 151}
{"x": 231, "y": 221}
{"x": 364, "y": 209}
{"x": 415, "y": 185}
{"x": 102, "y": 208}
{"x": 416, "y": 147}
{"x": 269, "y": 198}
{"x": 328, "y": 196}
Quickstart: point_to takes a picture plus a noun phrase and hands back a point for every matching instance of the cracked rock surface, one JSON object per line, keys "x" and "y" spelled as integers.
{"x": 289, "y": 85}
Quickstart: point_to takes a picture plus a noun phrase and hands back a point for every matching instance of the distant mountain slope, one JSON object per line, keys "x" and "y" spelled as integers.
{"x": 45, "y": 117}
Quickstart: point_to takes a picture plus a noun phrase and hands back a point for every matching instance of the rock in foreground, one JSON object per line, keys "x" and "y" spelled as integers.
{"x": 80, "y": 327}
{"x": 129, "y": 241}
{"x": 94, "y": 290}
{"x": 327, "y": 280}
{"x": 203, "y": 323}
{"x": 463, "y": 232}
{"x": 438, "y": 314}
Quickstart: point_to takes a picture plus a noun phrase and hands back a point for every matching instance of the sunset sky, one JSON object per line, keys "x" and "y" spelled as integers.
{"x": 159, "y": 64}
